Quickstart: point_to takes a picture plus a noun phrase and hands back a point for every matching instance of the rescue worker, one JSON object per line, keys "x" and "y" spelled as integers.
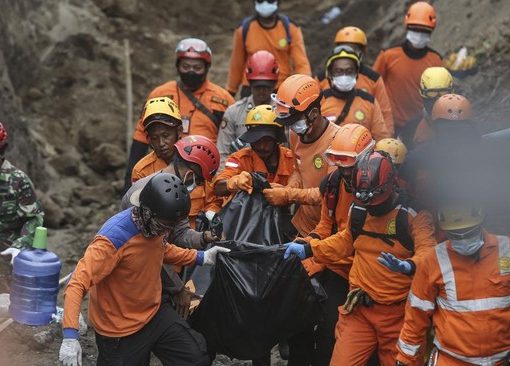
{"x": 122, "y": 268}
{"x": 401, "y": 66}
{"x": 463, "y": 289}
{"x": 343, "y": 103}
{"x": 298, "y": 107}
{"x": 351, "y": 142}
{"x": 449, "y": 152}
{"x": 163, "y": 126}
{"x": 434, "y": 82}
{"x": 271, "y": 31}
{"x": 201, "y": 102}
{"x": 379, "y": 226}
{"x": 368, "y": 80}
{"x": 265, "y": 155}
{"x": 394, "y": 148}
{"x": 262, "y": 75}
{"x": 20, "y": 210}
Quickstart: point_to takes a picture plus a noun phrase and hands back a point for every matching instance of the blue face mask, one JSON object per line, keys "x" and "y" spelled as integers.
{"x": 265, "y": 9}
{"x": 467, "y": 246}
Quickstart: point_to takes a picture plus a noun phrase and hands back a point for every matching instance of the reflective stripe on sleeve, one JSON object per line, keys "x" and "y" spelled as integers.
{"x": 418, "y": 303}
{"x": 408, "y": 349}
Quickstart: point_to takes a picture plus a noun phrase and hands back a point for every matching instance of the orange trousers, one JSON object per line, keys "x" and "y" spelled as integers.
{"x": 365, "y": 330}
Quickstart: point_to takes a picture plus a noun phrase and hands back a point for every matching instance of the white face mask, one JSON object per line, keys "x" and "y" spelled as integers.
{"x": 418, "y": 39}
{"x": 344, "y": 83}
{"x": 300, "y": 127}
{"x": 266, "y": 9}
{"x": 467, "y": 246}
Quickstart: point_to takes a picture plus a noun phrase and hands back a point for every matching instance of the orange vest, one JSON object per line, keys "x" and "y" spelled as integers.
{"x": 468, "y": 299}
{"x": 401, "y": 69}
{"x": 382, "y": 285}
{"x": 291, "y": 58}
{"x": 146, "y": 166}
{"x": 364, "y": 110}
{"x": 212, "y": 96}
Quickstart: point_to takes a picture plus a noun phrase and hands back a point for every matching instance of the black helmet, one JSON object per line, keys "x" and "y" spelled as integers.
{"x": 166, "y": 196}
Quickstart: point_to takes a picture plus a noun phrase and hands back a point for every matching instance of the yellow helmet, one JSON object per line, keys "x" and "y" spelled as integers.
{"x": 394, "y": 147}
{"x": 435, "y": 82}
{"x": 261, "y": 115}
{"x": 161, "y": 110}
{"x": 344, "y": 51}
{"x": 460, "y": 217}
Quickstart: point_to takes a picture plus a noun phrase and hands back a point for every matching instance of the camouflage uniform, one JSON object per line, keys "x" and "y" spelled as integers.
{"x": 20, "y": 210}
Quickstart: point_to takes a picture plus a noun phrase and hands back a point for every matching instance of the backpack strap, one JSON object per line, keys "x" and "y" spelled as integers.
{"x": 286, "y": 24}
{"x": 245, "y": 26}
{"x": 330, "y": 190}
{"x": 214, "y": 118}
{"x": 358, "y": 217}
{"x": 402, "y": 228}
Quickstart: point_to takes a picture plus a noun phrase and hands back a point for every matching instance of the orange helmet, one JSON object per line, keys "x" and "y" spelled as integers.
{"x": 421, "y": 14}
{"x": 452, "y": 107}
{"x": 295, "y": 95}
{"x": 351, "y": 142}
{"x": 351, "y": 35}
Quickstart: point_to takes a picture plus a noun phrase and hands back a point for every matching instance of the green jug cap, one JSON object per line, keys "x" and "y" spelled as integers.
{"x": 40, "y": 238}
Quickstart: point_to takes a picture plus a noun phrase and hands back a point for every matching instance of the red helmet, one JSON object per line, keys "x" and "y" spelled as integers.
{"x": 262, "y": 65}
{"x": 193, "y": 48}
{"x": 373, "y": 178}
{"x": 202, "y": 151}
{"x": 3, "y": 135}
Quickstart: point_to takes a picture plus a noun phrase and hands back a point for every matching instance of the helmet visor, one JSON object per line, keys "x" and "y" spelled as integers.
{"x": 192, "y": 44}
{"x": 435, "y": 93}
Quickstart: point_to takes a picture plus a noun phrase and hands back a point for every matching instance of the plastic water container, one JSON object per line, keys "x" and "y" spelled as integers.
{"x": 34, "y": 286}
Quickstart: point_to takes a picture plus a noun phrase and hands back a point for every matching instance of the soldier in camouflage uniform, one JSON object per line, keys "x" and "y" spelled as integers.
{"x": 20, "y": 211}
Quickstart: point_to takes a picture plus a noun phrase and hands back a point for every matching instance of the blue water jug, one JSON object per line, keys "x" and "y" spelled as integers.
{"x": 34, "y": 286}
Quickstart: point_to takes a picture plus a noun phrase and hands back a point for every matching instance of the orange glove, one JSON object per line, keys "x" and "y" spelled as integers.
{"x": 243, "y": 181}
{"x": 286, "y": 195}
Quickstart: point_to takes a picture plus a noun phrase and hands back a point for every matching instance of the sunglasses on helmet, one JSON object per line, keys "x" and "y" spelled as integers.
{"x": 194, "y": 44}
{"x": 435, "y": 93}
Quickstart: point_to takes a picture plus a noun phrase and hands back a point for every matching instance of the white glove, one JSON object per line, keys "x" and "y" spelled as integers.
{"x": 13, "y": 252}
{"x": 59, "y": 315}
{"x": 210, "y": 255}
{"x": 70, "y": 352}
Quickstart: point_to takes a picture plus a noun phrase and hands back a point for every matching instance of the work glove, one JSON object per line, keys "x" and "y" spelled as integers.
{"x": 70, "y": 352}
{"x": 242, "y": 181}
{"x": 281, "y": 196}
{"x": 294, "y": 248}
{"x": 210, "y": 255}
{"x": 394, "y": 264}
{"x": 13, "y": 252}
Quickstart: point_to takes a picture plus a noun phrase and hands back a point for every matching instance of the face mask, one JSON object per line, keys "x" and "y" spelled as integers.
{"x": 418, "y": 39}
{"x": 467, "y": 246}
{"x": 344, "y": 83}
{"x": 266, "y": 9}
{"x": 190, "y": 184}
{"x": 192, "y": 80}
{"x": 147, "y": 223}
{"x": 300, "y": 127}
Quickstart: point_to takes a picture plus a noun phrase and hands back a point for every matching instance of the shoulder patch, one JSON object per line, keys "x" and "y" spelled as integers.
{"x": 119, "y": 228}
{"x": 364, "y": 95}
{"x": 219, "y": 100}
{"x": 369, "y": 72}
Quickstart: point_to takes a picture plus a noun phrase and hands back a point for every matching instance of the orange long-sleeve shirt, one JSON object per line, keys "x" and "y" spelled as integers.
{"x": 121, "y": 268}
{"x": 291, "y": 58}
{"x": 381, "y": 284}
{"x": 202, "y": 197}
{"x": 364, "y": 110}
{"x": 372, "y": 83}
{"x": 401, "y": 68}
{"x": 212, "y": 96}
{"x": 310, "y": 169}
{"x": 468, "y": 299}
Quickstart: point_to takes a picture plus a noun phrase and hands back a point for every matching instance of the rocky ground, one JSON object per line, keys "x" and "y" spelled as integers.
{"x": 62, "y": 82}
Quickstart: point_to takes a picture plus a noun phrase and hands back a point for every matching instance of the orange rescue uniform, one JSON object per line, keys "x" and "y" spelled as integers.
{"x": 401, "y": 68}
{"x": 423, "y": 131}
{"x": 310, "y": 169}
{"x": 247, "y": 160}
{"x": 291, "y": 58}
{"x": 372, "y": 83}
{"x": 194, "y": 122}
{"x": 468, "y": 299}
{"x": 364, "y": 110}
{"x": 121, "y": 268}
{"x": 363, "y": 330}
{"x": 202, "y": 197}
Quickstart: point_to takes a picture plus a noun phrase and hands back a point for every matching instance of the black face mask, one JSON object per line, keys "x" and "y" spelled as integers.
{"x": 428, "y": 104}
{"x": 192, "y": 80}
